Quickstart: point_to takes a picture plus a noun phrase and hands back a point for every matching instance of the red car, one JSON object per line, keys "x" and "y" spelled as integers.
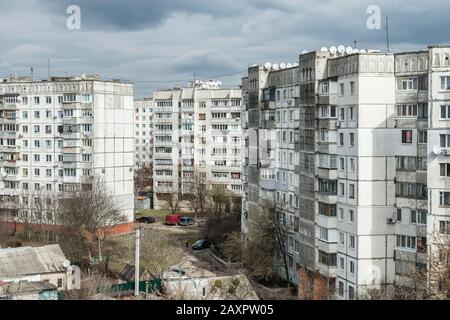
{"x": 172, "y": 219}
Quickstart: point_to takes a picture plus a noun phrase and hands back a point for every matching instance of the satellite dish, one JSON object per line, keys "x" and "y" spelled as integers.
{"x": 437, "y": 150}
{"x": 267, "y": 66}
{"x": 324, "y": 49}
{"x": 333, "y": 50}
{"x": 355, "y": 50}
{"x": 289, "y": 65}
{"x": 341, "y": 49}
{"x": 275, "y": 67}
{"x": 349, "y": 50}
{"x": 362, "y": 51}
{"x": 282, "y": 65}
{"x": 305, "y": 51}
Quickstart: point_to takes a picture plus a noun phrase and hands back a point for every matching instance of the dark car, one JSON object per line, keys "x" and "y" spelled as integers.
{"x": 201, "y": 245}
{"x": 145, "y": 220}
{"x": 186, "y": 221}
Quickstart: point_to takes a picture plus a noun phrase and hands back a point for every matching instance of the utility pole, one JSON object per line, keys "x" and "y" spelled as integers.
{"x": 387, "y": 35}
{"x": 136, "y": 262}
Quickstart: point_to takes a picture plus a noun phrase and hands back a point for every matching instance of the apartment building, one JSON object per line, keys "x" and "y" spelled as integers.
{"x": 270, "y": 119}
{"x": 143, "y": 129}
{"x": 372, "y": 165}
{"x": 58, "y": 134}
{"x": 197, "y": 127}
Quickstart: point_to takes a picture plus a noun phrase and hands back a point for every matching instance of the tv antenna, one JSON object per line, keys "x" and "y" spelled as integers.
{"x": 387, "y": 35}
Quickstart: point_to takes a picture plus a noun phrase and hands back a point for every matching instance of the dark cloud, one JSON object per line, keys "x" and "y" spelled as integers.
{"x": 158, "y": 43}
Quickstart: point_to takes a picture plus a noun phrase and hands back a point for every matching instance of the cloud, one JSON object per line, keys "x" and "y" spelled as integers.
{"x": 157, "y": 43}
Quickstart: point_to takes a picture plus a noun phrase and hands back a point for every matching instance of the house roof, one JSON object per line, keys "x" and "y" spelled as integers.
{"x": 127, "y": 272}
{"x": 15, "y": 262}
{"x": 29, "y": 287}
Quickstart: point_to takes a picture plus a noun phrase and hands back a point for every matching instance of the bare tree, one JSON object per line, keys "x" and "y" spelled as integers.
{"x": 173, "y": 201}
{"x": 86, "y": 215}
{"x": 198, "y": 191}
{"x": 143, "y": 176}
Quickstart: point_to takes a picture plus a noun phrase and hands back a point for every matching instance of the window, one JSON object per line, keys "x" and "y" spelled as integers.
{"x": 352, "y": 165}
{"x": 406, "y": 136}
{"x": 405, "y": 242}
{"x": 341, "y": 263}
{"x": 341, "y": 164}
{"x": 323, "y": 233}
{"x": 48, "y": 100}
{"x": 341, "y": 139}
{"x": 341, "y": 189}
{"x": 25, "y": 114}
{"x": 351, "y": 215}
{"x": 352, "y": 88}
{"x": 37, "y": 100}
{"x": 445, "y": 112}
{"x": 341, "y": 288}
{"x": 341, "y": 214}
{"x": 444, "y": 169}
{"x": 342, "y": 114}
{"x": 342, "y": 238}
{"x": 351, "y": 191}
{"x": 444, "y": 199}
{"x": 37, "y": 114}
{"x": 352, "y": 114}
{"x": 423, "y": 136}
{"x": 444, "y": 227}
{"x": 407, "y": 84}
{"x": 399, "y": 215}
{"x": 342, "y": 89}
{"x": 352, "y": 139}
{"x": 407, "y": 110}
{"x": 445, "y": 83}
{"x": 422, "y": 111}
{"x": 444, "y": 140}
{"x": 351, "y": 293}
{"x": 419, "y": 217}
{"x": 352, "y": 244}
{"x": 352, "y": 267}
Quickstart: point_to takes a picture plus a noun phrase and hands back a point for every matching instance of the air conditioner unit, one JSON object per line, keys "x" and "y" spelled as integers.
{"x": 390, "y": 221}
{"x": 446, "y": 151}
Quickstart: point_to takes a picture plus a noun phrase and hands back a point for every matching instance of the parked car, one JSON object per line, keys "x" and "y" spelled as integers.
{"x": 186, "y": 221}
{"x": 172, "y": 219}
{"x": 201, "y": 245}
{"x": 147, "y": 220}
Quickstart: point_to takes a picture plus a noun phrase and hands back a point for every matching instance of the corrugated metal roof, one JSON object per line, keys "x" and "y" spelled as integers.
{"x": 16, "y": 262}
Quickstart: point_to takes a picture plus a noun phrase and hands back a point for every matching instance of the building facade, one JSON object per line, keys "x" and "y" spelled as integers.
{"x": 196, "y": 128}
{"x": 270, "y": 121}
{"x": 57, "y": 135}
{"x": 143, "y": 132}
{"x": 372, "y": 166}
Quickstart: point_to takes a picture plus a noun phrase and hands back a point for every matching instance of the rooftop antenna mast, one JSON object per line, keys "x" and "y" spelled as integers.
{"x": 387, "y": 35}
{"x": 32, "y": 70}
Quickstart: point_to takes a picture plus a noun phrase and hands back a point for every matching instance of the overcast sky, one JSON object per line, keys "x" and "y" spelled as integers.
{"x": 162, "y": 43}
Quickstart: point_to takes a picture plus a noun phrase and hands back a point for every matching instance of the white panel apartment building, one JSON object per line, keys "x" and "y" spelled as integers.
{"x": 143, "y": 132}
{"x": 373, "y": 165}
{"x": 197, "y": 128}
{"x": 59, "y": 134}
{"x": 269, "y": 121}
